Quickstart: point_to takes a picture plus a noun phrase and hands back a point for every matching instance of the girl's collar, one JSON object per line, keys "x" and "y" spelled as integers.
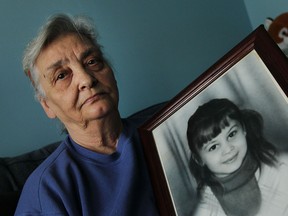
{"x": 239, "y": 193}
{"x": 236, "y": 179}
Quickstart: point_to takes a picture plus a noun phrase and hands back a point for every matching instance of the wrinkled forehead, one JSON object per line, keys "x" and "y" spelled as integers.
{"x": 63, "y": 48}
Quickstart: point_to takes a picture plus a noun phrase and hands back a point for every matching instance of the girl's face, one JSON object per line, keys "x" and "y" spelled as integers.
{"x": 225, "y": 153}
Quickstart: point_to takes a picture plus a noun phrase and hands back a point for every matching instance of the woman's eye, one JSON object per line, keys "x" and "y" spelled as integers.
{"x": 95, "y": 64}
{"x": 62, "y": 75}
{"x": 92, "y": 62}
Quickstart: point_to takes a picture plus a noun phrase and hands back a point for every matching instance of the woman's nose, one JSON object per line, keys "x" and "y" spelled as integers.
{"x": 86, "y": 80}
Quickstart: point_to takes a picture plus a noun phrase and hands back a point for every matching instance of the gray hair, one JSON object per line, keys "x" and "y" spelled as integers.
{"x": 56, "y": 26}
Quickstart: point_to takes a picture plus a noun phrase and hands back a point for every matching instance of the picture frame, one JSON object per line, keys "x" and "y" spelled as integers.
{"x": 253, "y": 74}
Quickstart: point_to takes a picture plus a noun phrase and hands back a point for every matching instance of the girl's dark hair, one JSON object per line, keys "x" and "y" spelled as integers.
{"x": 208, "y": 121}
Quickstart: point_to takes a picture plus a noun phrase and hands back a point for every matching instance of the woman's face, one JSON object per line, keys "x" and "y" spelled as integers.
{"x": 80, "y": 87}
{"x": 225, "y": 153}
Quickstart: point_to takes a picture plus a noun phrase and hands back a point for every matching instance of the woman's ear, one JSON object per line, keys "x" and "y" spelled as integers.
{"x": 49, "y": 112}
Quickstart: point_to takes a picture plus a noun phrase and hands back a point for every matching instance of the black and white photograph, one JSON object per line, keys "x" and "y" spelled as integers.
{"x": 220, "y": 146}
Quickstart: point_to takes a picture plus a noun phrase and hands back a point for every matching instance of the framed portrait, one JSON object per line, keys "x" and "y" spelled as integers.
{"x": 254, "y": 76}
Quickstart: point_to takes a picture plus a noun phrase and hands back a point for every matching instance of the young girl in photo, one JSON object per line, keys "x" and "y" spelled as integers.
{"x": 238, "y": 172}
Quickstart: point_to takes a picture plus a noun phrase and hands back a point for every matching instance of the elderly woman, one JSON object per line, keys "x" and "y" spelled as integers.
{"x": 99, "y": 168}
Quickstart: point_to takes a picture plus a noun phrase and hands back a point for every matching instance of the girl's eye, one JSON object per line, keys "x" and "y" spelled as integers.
{"x": 232, "y": 134}
{"x": 212, "y": 148}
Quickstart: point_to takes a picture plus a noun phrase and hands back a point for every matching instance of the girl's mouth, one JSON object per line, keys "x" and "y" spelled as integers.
{"x": 231, "y": 159}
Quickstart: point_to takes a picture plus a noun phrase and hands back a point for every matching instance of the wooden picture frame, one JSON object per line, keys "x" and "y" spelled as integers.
{"x": 253, "y": 74}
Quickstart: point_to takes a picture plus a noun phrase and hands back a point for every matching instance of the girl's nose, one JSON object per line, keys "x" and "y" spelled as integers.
{"x": 227, "y": 148}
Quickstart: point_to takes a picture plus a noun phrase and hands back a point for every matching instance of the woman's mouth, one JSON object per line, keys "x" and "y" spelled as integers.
{"x": 94, "y": 98}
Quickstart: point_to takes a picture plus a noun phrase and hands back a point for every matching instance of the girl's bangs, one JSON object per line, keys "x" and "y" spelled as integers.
{"x": 210, "y": 129}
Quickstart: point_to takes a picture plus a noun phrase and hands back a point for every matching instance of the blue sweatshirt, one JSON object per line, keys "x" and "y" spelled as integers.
{"x": 76, "y": 181}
